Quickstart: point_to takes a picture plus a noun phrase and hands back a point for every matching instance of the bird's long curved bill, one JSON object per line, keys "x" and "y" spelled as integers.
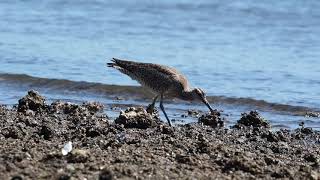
{"x": 205, "y": 101}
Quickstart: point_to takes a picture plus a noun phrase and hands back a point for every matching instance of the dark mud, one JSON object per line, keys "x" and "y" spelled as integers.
{"x": 139, "y": 146}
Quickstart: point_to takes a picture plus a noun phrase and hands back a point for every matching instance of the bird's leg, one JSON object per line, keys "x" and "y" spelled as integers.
{"x": 150, "y": 107}
{"x": 162, "y": 108}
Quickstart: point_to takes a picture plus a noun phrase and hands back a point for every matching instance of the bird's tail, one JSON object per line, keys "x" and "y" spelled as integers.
{"x": 121, "y": 65}
{"x": 113, "y": 64}
{"x": 116, "y": 63}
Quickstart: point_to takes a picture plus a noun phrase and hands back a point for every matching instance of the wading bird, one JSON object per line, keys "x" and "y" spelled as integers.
{"x": 162, "y": 80}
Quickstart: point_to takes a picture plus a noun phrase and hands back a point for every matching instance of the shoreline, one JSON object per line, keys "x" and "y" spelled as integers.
{"x": 138, "y": 145}
{"x": 139, "y": 93}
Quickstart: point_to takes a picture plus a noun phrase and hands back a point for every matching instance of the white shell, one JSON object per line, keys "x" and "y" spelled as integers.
{"x": 67, "y": 148}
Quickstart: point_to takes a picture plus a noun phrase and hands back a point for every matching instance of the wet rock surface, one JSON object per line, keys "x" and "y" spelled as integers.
{"x": 30, "y": 148}
{"x": 212, "y": 119}
{"x": 193, "y": 113}
{"x": 312, "y": 114}
{"x": 32, "y": 101}
{"x": 252, "y": 119}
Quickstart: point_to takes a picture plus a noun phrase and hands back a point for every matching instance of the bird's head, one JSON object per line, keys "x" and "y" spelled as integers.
{"x": 199, "y": 94}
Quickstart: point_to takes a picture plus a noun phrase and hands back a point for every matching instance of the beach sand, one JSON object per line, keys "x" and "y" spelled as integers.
{"x": 137, "y": 145}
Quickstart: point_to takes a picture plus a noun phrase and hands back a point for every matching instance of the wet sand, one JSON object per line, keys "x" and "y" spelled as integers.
{"x": 137, "y": 145}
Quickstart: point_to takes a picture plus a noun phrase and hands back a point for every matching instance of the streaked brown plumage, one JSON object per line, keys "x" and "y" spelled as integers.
{"x": 160, "y": 79}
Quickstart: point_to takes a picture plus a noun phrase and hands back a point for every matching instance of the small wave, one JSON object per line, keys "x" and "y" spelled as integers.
{"x": 136, "y": 92}
{"x": 264, "y": 105}
{"x": 63, "y": 84}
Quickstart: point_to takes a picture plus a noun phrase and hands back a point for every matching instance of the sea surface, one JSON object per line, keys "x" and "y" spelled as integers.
{"x": 246, "y": 54}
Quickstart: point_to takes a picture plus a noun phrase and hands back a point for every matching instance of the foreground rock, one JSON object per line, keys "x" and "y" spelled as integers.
{"x": 137, "y": 118}
{"x": 32, "y": 101}
{"x": 253, "y": 119}
{"x": 30, "y": 148}
{"x": 212, "y": 119}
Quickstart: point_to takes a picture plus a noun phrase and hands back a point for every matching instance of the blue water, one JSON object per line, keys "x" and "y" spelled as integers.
{"x": 266, "y": 50}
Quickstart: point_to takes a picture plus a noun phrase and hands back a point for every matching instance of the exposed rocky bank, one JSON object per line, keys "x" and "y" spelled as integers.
{"x": 138, "y": 145}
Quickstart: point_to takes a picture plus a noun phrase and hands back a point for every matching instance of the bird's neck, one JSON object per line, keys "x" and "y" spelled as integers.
{"x": 187, "y": 95}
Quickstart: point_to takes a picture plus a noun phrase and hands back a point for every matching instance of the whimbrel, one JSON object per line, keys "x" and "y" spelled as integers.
{"x": 162, "y": 80}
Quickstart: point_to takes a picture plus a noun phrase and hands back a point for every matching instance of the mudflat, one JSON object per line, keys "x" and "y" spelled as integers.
{"x": 137, "y": 145}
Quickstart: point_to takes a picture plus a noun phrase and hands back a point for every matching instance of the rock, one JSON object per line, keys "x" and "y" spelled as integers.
{"x": 153, "y": 111}
{"x": 311, "y": 158}
{"x": 32, "y": 101}
{"x": 94, "y": 107}
{"x": 185, "y": 159}
{"x": 2, "y": 109}
{"x": 306, "y": 130}
{"x": 70, "y": 108}
{"x": 70, "y": 168}
{"x": 312, "y": 114}
{"x": 282, "y": 173}
{"x": 12, "y": 132}
{"x": 17, "y": 177}
{"x": 270, "y": 161}
{"x": 63, "y": 176}
{"x": 166, "y": 129}
{"x": 193, "y": 113}
{"x": 47, "y": 132}
{"x": 303, "y": 129}
{"x": 78, "y": 156}
{"x": 93, "y": 131}
{"x": 136, "y": 118}
{"x": 105, "y": 174}
{"x": 252, "y": 119}
{"x": 213, "y": 119}
{"x": 64, "y": 107}
{"x": 30, "y": 112}
{"x": 270, "y": 136}
{"x": 203, "y": 145}
{"x": 51, "y": 157}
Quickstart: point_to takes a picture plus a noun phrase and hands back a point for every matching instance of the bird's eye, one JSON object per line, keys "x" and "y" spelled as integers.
{"x": 200, "y": 92}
